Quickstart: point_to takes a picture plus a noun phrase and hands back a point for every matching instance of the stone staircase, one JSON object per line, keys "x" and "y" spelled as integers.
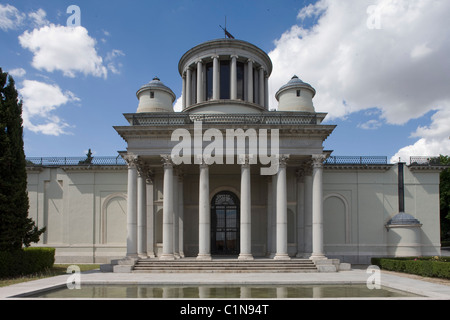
{"x": 224, "y": 265}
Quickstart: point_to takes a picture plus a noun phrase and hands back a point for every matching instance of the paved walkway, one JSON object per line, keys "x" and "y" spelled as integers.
{"x": 357, "y": 275}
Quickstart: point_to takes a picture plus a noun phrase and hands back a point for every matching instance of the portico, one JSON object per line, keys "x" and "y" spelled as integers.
{"x": 219, "y": 197}
{"x": 142, "y": 226}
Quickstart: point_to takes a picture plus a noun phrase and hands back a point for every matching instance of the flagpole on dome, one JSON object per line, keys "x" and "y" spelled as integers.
{"x": 227, "y": 34}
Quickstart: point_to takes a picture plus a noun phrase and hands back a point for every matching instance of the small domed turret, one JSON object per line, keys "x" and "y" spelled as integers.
{"x": 155, "y": 97}
{"x": 296, "y": 95}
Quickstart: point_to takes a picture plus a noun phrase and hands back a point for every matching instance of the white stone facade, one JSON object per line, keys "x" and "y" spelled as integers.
{"x": 85, "y": 211}
{"x": 153, "y": 206}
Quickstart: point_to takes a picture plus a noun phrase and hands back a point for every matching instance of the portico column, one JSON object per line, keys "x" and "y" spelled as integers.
{"x": 175, "y": 215}
{"x": 131, "y": 206}
{"x": 204, "y": 223}
{"x": 188, "y": 87}
{"x": 250, "y": 80}
{"x": 233, "y": 78}
{"x": 282, "y": 253}
{"x": 308, "y": 211}
{"x": 261, "y": 86}
{"x": 246, "y": 214}
{"x": 150, "y": 214}
{"x": 167, "y": 253}
{"x": 216, "y": 78}
{"x": 141, "y": 212}
{"x": 200, "y": 81}
{"x": 180, "y": 215}
{"x": 300, "y": 213}
{"x": 317, "y": 208}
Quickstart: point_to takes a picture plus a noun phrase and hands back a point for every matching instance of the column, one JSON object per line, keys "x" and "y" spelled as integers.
{"x": 308, "y": 211}
{"x": 250, "y": 80}
{"x": 300, "y": 213}
{"x": 282, "y": 247}
{"x": 233, "y": 77}
{"x": 261, "y": 87}
{"x": 200, "y": 97}
{"x": 204, "y": 219}
{"x": 180, "y": 215}
{"x": 141, "y": 212}
{"x": 183, "y": 91}
{"x": 188, "y": 87}
{"x": 150, "y": 178}
{"x": 175, "y": 216}
{"x": 266, "y": 92}
{"x": 131, "y": 206}
{"x": 246, "y": 214}
{"x": 216, "y": 78}
{"x": 167, "y": 253}
{"x": 270, "y": 205}
{"x": 317, "y": 208}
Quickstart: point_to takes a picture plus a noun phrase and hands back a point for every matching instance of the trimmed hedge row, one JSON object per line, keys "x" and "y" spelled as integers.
{"x": 426, "y": 267}
{"x": 26, "y": 261}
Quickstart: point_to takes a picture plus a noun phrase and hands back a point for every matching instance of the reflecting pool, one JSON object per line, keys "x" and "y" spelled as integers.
{"x": 220, "y": 292}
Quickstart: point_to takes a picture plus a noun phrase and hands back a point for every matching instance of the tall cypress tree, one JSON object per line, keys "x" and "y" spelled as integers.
{"x": 16, "y": 229}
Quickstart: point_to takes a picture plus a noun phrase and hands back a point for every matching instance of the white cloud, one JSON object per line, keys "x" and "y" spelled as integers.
{"x": 402, "y": 68}
{"x": 178, "y": 105}
{"x": 66, "y": 49}
{"x": 370, "y": 125}
{"x": 17, "y": 73}
{"x": 38, "y": 18}
{"x": 10, "y": 17}
{"x": 111, "y": 58}
{"x": 39, "y": 101}
{"x": 434, "y": 139}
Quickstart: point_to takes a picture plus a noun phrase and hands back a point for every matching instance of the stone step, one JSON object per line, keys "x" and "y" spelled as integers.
{"x": 225, "y": 265}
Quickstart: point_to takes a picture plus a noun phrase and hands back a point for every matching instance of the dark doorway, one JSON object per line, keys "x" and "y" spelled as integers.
{"x": 225, "y": 224}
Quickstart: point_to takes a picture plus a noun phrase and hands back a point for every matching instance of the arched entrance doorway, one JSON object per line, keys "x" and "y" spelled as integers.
{"x": 225, "y": 213}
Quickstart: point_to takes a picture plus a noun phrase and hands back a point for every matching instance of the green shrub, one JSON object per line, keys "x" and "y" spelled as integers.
{"x": 423, "y": 266}
{"x": 26, "y": 261}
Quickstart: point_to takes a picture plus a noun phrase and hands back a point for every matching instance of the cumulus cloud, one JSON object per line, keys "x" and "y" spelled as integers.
{"x": 40, "y": 100}
{"x": 67, "y": 49}
{"x": 365, "y": 54}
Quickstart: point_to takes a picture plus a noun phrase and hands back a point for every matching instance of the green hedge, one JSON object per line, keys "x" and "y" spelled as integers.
{"x": 426, "y": 267}
{"x": 26, "y": 261}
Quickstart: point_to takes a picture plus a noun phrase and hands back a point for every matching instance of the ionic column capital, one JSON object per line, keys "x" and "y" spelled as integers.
{"x": 234, "y": 56}
{"x": 215, "y": 56}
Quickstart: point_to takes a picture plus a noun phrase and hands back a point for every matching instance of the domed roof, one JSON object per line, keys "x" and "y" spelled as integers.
{"x": 156, "y": 84}
{"x": 295, "y": 82}
{"x": 403, "y": 218}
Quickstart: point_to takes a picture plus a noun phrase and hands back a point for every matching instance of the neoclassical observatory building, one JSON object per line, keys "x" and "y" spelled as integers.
{"x": 227, "y": 177}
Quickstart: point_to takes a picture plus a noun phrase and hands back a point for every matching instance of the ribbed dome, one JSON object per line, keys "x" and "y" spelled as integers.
{"x": 403, "y": 218}
{"x": 156, "y": 84}
{"x": 295, "y": 82}
{"x": 155, "y": 96}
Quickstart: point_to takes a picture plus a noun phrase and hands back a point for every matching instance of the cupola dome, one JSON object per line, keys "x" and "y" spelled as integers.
{"x": 155, "y": 97}
{"x": 296, "y": 95}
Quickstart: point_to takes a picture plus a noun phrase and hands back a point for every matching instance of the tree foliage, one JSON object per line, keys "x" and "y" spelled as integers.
{"x": 444, "y": 193}
{"x": 16, "y": 229}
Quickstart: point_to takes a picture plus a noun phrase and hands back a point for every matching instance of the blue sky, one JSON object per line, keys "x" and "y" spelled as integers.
{"x": 379, "y": 68}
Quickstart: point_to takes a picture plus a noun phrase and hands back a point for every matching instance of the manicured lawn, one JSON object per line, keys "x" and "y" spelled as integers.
{"x": 56, "y": 270}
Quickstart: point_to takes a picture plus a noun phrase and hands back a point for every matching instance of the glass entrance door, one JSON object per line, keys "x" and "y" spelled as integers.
{"x": 225, "y": 224}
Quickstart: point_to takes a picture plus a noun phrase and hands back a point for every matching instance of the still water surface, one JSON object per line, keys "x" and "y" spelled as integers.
{"x": 228, "y": 291}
